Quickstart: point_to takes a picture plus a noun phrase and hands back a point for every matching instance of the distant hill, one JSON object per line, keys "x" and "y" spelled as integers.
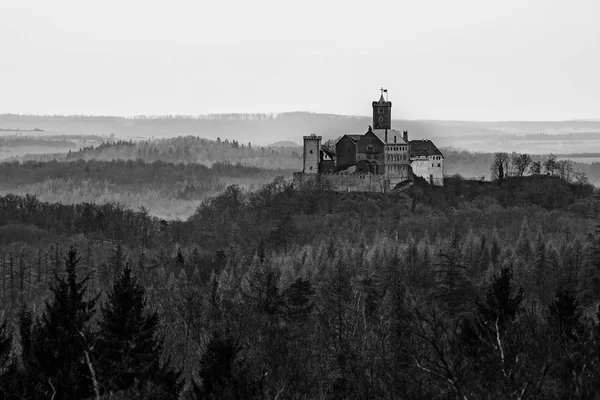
{"x": 262, "y": 129}
{"x": 284, "y": 144}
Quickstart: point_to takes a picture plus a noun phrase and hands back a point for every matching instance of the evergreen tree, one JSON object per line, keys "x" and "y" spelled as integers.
{"x": 5, "y": 346}
{"x": 499, "y": 303}
{"x": 589, "y": 277}
{"x": 223, "y": 372}
{"x": 116, "y": 260}
{"x": 61, "y": 340}
{"x": 128, "y": 349}
{"x": 566, "y": 312}
{"x": 453, "y": 288}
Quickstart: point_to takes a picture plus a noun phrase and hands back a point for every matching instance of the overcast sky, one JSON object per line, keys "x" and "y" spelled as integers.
{"x": 440, "y": 59}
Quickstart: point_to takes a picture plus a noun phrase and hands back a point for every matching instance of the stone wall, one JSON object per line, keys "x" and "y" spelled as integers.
{"x": 348, "y": 182}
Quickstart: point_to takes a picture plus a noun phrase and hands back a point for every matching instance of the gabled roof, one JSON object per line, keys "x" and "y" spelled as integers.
{"x": 329, "y": 151}
{"x": 380, "y": 133}
{"x": 424, "y": 148}
{"x": 354, "y": 138}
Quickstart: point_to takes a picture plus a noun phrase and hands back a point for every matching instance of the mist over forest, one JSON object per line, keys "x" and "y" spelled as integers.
{"x": 175, "y": 259}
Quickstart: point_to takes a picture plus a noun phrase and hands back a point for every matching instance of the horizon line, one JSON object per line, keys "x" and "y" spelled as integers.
{"x": 275, "y": 115}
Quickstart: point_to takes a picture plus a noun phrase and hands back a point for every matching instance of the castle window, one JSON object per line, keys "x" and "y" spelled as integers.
{"x": 370, "y": 147}
{"x": 310, "y": 167}
{"x": 439, "y": 165}
{"x": 311, "y": 153}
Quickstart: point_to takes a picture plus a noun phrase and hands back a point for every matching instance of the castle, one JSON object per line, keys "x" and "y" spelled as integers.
{"x": 382, "y": 156}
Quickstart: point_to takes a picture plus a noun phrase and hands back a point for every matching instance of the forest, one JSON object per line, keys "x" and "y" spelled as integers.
{"x": 188, "y": 149}
{"x": 166, "y": 189}
{"x": 473, "y": 290}
{"x": 193, "y": 149}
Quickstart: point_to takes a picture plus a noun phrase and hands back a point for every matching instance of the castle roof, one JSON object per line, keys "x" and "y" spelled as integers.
{"x": 354, "y": 138}
{"x": 424, "y": 148}
{"x": 380, "y": 133}
{"x": 329, "y": 151}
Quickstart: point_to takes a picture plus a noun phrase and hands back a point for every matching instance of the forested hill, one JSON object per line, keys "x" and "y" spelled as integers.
{"x": 166, "y": 189}
{"x": 263, "y": 129}
{"x": 184, "y": 149}
{"x": 478, "y": 288}
{"x": 191, "y": 149}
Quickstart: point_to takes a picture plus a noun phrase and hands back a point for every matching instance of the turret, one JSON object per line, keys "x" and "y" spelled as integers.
{"x": 382, "y": 112}
{"x": 312, "y": 150}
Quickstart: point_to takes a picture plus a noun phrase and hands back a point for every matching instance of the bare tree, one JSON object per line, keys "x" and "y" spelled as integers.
{"x": 499, "y": 166}
{"x": 521, "y": 162}
{"x": 581, "y": 178}
{"x": 565, "y": 169}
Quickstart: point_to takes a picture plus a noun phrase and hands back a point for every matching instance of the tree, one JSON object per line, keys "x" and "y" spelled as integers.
{"x": 5, "y": 346}
{"x": 535, "y": 168}
{"x": 223, "y": 372}
{"x": 589, "y": 275}
{"x": 565, "y": 169}
{"x": 128, "y": 349}
{"x": 62, "y": 339}
{"x": 566, "y": 312}
{"x": 500, "y": 305}
{"x": 551, "y": 164}
{"x": 581, "y": 178}
{"x": 521, "y": 162}
{"x": 499, "y": 167}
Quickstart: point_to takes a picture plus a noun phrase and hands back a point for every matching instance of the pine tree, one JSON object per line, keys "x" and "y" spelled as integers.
{"x": 500, "y": 306}
{"x": 5, "y": 346}
{"x": 116, "y": 260}
{"x": 566, "y": 312}
{"x": 223, "y": 372}
{"x": 128, "y": 349}
{"x": 61, "y": 339}
{"x": 589, "y": 276}
{"x": 453, "y": 288}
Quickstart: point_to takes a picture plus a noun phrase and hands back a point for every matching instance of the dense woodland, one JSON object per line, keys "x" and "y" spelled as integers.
{"x": 165, "y": 189}
{"x": 193, "y": 149}
{"x": 471, "y": 290}
{"x": 189, "y": 149}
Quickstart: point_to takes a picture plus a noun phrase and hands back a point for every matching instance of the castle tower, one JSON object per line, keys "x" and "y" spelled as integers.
{"x": 312, "y": 150}
{"x": 382, "y": 112}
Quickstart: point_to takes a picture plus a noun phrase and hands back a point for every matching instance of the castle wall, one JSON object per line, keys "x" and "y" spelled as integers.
{"x": 428, "y": 169}
{"x": 348, "y": 182}
{"x": 327, "y": 166}
{"x": 437, "y": 170}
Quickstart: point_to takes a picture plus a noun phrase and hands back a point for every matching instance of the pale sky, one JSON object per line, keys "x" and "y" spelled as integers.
{"x": 440, "y": 59}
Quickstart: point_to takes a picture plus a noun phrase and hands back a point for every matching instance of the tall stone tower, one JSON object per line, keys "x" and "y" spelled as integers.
{"x": 382, "y": 113}
{"x": 312, "y": 151}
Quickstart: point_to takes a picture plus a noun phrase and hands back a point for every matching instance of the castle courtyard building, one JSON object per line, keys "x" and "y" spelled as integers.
{"x": 381, "y": 151}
